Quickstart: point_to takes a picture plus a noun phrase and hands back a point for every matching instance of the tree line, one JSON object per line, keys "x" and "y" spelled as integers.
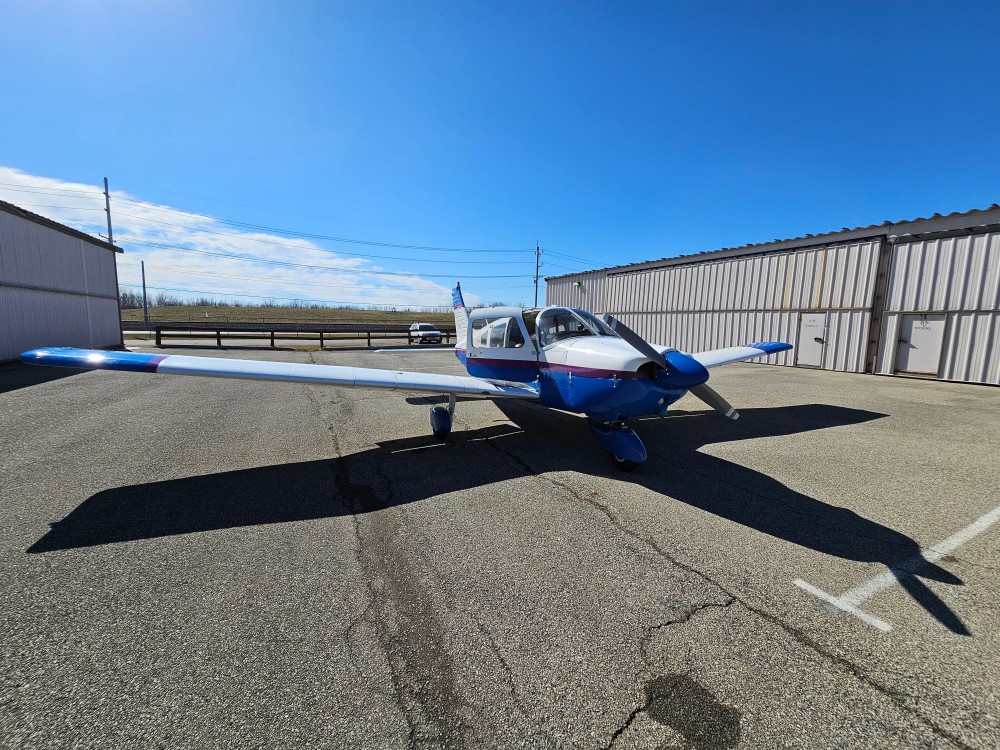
{"x": 130, "y": 299}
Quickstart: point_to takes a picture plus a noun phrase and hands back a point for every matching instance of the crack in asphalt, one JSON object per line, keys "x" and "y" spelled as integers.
{"x": 486, "y": 634}
{"x": 402, "y": 616}
{"x": 341, "y": 478}
{"x": 628, "y": 722}
{"x": 896, "y": 697}
{"x": 684, "y": 618}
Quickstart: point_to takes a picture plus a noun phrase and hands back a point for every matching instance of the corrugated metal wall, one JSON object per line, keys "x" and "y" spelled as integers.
{"x": 745, "y": 299}
{"x": 957, "y": 276}
{"x": 55, "y": 289}
{"x": 825, "y": 278}
{"x": 588, "y": 295}
{"x": 698, "y": 331}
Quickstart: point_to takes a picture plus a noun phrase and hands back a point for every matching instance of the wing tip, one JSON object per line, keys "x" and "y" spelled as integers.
{"x": 771, "y": 347}
{"x": 92, "y": 359}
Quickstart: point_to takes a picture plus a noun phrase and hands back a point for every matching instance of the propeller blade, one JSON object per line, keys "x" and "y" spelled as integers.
{"x": 711, "y": 397}
{"x": 635, "y": 340}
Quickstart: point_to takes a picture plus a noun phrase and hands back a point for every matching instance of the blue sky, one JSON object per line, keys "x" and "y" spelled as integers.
{"x": 608, "y": 132}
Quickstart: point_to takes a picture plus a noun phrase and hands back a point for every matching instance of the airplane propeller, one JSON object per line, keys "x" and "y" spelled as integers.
{"x": 676, "y": 369}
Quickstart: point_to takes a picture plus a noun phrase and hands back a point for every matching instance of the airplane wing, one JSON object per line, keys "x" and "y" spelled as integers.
{"x": 717, "y": 357}
{"x": 352, "y": 377}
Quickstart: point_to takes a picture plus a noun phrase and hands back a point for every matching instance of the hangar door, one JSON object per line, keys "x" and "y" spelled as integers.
{"x": 919, "y": 345}
{"x": 812, "y": 339}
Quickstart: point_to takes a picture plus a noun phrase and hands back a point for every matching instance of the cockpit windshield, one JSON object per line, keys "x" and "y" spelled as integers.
{"x": 558, "y": 323}
{"x": 596, "y": 324}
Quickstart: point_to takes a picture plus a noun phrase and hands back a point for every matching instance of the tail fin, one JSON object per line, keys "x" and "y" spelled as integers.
{"x": 461, "y": 317}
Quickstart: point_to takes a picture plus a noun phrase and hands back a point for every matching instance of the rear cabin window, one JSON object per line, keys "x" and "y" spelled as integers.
{"x": 497, "y": 333}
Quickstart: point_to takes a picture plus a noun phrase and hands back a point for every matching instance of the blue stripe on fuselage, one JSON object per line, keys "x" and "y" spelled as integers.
{"x": 564, "y": 387}
{"x": 604, "y": 398}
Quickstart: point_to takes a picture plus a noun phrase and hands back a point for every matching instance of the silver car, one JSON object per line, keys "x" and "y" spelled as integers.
{"x": 425, "y": 333}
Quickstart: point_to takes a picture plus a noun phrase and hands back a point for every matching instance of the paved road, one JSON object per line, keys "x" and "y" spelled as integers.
{"x": 206, "y": 563}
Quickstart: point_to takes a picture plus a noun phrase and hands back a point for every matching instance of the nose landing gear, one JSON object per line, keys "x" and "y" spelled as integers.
{"x": 621, "y": 442}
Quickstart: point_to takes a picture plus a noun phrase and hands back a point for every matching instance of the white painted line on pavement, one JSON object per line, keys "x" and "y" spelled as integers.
{"x": 849, "y": 601}
{"x": 840, "y": 604}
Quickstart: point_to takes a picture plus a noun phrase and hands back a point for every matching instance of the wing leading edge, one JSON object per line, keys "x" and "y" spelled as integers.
{"x": 717, "y": 357}
{"x": 351, "y": 377}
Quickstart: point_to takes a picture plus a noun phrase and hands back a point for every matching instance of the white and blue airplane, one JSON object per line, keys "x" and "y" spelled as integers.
{"x": 558, "y": 357}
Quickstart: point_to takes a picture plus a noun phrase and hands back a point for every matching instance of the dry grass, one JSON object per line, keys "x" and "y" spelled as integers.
{"x": 179, "y": 313}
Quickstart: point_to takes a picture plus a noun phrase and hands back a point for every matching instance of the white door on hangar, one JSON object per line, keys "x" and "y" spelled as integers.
{"x": 919, "y": 345}
{"x": 812, "y": 340}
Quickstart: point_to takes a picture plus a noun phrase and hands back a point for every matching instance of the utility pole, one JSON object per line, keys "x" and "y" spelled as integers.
{"x": 107, "y": 210}
{"x": 538, "y": 255}
{"x": 111, "y": 241}
{"x": 145, "y": 304}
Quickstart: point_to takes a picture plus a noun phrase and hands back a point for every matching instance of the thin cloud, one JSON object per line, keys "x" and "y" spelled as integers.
{"x": 167, "y": 239}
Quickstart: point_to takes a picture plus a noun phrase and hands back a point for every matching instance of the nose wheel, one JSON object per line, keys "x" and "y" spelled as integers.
{"x": 621, "y": 443}
{"x": 622, "y": 464}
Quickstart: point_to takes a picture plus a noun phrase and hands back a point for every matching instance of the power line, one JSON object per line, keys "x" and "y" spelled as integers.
{"x": 281, "y": 244}
{"x": 62, "y": 192}
{"x": 571, "y": 257}
{"x": 190, "y": 272}
{"x": 21, "y": 188}
{"x": 309, "y": 235}
{"x": 299, "y": 247}
{"x": 255, "y": 259}
{"x": 565, "y": 268}
{"x": 68, "y": 208}
{"x": 16, "y": 187}
{"x": 261, "y": 208}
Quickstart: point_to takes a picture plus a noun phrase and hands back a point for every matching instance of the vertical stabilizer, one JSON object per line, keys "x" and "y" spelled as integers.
{"x": 461, "y": 317}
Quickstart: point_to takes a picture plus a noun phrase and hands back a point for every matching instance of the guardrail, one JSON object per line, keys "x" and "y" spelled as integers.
{"x": 320, "y": 331}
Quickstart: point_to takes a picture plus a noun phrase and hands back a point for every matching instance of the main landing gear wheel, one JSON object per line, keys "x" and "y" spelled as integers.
{"x": 441, "y": 418}
{"x": 440, "y": 422}
{"x": 622, "y": 464}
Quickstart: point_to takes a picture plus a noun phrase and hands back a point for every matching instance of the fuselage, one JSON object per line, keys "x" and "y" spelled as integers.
{"x": 575, "y": 364}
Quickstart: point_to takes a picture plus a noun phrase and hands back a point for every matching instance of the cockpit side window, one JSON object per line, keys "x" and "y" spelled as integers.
{"x": 557, "y": 324}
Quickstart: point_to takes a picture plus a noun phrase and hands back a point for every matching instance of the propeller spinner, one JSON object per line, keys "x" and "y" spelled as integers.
{"x": 675, "y": 369}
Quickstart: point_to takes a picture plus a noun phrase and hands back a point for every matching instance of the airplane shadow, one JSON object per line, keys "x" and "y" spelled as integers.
{"x": 14, "y": 375}
{"x": 414, "y": 469}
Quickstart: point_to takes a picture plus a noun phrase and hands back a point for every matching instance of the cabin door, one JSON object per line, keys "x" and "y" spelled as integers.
{"x": 500, "y": 348}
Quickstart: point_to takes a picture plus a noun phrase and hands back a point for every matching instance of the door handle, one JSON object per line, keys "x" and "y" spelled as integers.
{"x": 903, "y": 341}
{"x": 818, "y": 340}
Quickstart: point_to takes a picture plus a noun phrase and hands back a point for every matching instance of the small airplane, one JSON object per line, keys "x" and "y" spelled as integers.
{"x": 558, "y": 357}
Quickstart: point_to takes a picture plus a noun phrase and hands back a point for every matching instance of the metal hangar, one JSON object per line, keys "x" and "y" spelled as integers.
{"x": 919, "y": 297}
{"x": 58, "y": 286}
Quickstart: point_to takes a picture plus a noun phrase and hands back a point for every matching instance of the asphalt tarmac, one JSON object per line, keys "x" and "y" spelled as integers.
{"x": 200, "y": 563}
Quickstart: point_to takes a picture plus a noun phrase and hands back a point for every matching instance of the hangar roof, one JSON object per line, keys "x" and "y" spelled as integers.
{"x": 976, "y": 220}
{"x": 18, "y": 211}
